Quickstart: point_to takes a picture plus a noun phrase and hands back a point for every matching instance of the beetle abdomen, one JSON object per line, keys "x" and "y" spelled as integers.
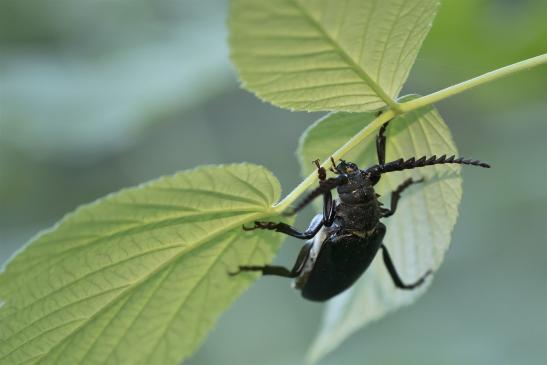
{"x": 341, "y": 261}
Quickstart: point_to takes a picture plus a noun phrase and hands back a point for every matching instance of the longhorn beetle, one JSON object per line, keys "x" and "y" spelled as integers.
{"x": 348, "y": 234}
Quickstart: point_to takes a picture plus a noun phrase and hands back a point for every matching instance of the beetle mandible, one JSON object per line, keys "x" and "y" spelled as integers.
{"x": 348, "y": 234}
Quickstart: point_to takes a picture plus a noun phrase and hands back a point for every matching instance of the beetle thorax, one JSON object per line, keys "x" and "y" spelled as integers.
{"x": 358, "y": 190}
{"x": 358, "y": 208}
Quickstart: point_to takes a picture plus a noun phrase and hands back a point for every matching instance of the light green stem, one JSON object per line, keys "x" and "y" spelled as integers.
{"x": 348, "y": 146}
{"x": 479, "y": 80}
{"x": 404, "y": 108}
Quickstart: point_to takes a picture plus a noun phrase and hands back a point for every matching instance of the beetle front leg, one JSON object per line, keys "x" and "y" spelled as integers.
{"x": 328, "y": 203}
{"x": 325, "y": 186}
{"x": 396, "y": 195}
{"x": 329, "y": 210}
{"x": 381, "y": 144}
{"x": 395, "y": 277}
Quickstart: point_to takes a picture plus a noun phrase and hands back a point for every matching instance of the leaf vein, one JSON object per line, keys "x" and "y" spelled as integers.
{"x": 345, "y": 56}
{"x": 162, "y": 266}
{"x": 198, "y": 282}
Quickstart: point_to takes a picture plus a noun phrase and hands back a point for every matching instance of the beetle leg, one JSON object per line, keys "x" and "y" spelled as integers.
{"x": 396, "y": 195}
{"x": 321, "y": 172}
{"x": 280, "y": 270}
{"x": 310, "y": 232}
{"x": 333, "y": 167}
{"x": 329, "y": 211}
{"x": 381, "y": 144}
{"x": 318, "y": 221}
{"x": 395, "y": 277}
{"x": 302, "y": 258}
{"x": 324, "y": 187}
{"x": 267, "y": 270}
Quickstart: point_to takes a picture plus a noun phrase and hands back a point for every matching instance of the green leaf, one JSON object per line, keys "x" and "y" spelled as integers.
{"x": 343, "y": 55}
{"x": 138, "y": 277}
{"x": 418, "y": 235}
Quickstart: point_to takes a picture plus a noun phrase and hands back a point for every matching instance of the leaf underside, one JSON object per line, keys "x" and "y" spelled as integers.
{"x": 140, "y": 276}
{"x": 418, "y": 235}
{"x": 316, "y": 55}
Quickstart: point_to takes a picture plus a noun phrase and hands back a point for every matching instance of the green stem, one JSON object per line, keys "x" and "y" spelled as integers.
{"x": 404, "y": 108}
{"x": 479, "y": 80}
{"x": 348, "y": 146}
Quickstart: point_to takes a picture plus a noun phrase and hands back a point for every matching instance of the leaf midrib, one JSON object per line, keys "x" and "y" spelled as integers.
{"x": 346, "y": 57}
{"x": 135, "y": 229}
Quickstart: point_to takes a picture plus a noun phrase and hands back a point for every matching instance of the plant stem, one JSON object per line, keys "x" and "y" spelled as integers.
{"x": 479, "y": 80}
{"x": 348, "y": 146}
{"x": 404, "y": 108}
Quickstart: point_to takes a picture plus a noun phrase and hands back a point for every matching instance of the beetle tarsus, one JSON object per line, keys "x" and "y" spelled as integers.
{"x": 333, "y": 168}
{"x": 321, "y": 172}
{"x": 261, "y": 225}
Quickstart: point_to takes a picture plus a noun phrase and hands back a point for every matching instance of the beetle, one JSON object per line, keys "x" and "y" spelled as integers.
{"x": 347, "y": 235}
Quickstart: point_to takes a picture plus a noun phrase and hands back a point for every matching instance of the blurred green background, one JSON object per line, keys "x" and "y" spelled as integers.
{"x": 96, "y": 96}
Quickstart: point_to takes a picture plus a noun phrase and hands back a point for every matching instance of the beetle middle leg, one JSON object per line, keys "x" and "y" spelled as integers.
{"x": 310, "y": 232}
{"x": 395, "y": 277}
{"x": 315, "y": 225}
{"x": 396, "y": 195}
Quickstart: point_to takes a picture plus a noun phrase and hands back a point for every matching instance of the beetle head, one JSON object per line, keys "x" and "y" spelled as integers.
{"x": 358, "y": 187}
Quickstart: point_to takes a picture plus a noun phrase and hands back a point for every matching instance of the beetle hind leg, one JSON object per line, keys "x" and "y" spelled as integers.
{"x": 395, "y": 277}
{"x": 267, "y": 270}
{"x": 280, "y": 270}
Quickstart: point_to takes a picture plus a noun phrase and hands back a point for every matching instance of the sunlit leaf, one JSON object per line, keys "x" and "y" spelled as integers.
{"x": 345, "y": 55}
{"x": 141, "y": 276}
{"x": 418, "y": 235}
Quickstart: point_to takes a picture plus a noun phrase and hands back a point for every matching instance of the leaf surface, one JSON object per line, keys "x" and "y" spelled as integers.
{"x": 141, "y": 276}
{"x": 418, "y": 234}
{"x": 314, "y": 55}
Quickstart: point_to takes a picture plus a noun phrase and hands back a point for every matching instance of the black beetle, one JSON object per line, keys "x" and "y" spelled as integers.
{"x": 348, "y": 234}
